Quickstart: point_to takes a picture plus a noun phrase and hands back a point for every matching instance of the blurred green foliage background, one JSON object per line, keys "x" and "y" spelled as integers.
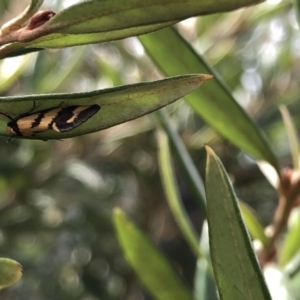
{"x": 56, "y": 197}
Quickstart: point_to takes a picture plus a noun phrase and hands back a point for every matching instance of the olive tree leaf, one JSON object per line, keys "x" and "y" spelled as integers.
{"x": 150, "y": 265}
{"x": 236, "y": 270}
{"x": 118, "y": 105}
{"x": 102, "y": 20}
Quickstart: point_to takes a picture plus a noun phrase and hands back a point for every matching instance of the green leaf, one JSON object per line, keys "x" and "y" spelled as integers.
{"x": 10, "y": 272}
{"x": 253, "y": 224}
{"x": 204, "y": 284}
{"x": 65, "y": 40}
{"x": 236, "y": 269}
{"x": 118, "y": 105}
{"x": 153, "y": 270}
{"x": 214, "y": 103}
{"x": 92, "y": 16}
{"x": 187, "y": 165}
{"x": 290, "y": 246}
{"x": 101, "y": 20}
{"x": 59, "y": 40}
{"x": 172, "y": 194}
{"x": 204, "y": 287}
{"x": 292, "y": 135}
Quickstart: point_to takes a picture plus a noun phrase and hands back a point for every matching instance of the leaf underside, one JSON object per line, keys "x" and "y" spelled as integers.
{"x": 118, "y": 105}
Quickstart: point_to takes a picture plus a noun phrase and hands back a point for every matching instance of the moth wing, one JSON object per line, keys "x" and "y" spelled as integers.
{"x": 30, "y": 125}
{"x": 71, "y": 117}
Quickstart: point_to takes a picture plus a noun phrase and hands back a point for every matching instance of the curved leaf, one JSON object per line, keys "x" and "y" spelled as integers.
{"x": 291, "y": 245}
{"x": 204, "y": 283}
{"x": 292, "y": 134}
{"x": 102, "y": 20}
{"x": 254, "y": 226}
{"x": 153, "y": 270}
{"x": 214, "y": 103}
{"x": 236, "y": 269}
{"x": 59, "y": 40}
{"x": 118, "y": 105}
{"x": 171, "y": 190}
{"x": 93, "y": 16}
{"x": 191, "y": 173}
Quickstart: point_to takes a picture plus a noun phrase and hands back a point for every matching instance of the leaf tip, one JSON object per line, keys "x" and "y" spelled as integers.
{"x": 211, "y": 156}
{"x": 117, "y": 211}
{"x": 118, "y": 215}
{"x": 205, "y": 77}
{"x": 209, "y": 150}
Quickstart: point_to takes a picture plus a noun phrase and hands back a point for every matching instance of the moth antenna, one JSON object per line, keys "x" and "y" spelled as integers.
{"x": 7, "y": 116}
{"x": 33, "y": 106}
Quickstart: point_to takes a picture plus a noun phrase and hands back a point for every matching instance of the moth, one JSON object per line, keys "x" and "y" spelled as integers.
{"x": 60, "y": 119}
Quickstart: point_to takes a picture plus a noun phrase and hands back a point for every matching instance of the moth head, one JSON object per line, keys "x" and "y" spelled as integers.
{"x": 10, "y": 125}
{"x": 10, "y": 128}
{"x": 13, "y": 128}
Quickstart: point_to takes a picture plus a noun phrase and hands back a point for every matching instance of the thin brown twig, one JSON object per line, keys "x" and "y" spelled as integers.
{"x": 289, "y": 192}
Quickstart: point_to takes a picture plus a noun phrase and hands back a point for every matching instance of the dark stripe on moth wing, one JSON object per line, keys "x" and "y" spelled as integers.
{"x": 62, "y": 117}
{"x": 71, "y": 117}
{"x": 37, "y": 121}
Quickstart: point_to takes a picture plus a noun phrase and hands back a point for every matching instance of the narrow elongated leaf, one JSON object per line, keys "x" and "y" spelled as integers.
{"x": 214, "y": 103}
{"x": 254, "y": 226}
{"x": 204, "y": 284}
{"x": 93, "y": 16}
{"x": 65, "y": 40}
{"x": 153, "y": 270}
{"x": 172, "y": 194}
{"x": 204, "y": 287}
{"x": 270, "y": 173}
{"x": 236, "y": 269}
{"x": 118, "y": 105}
{"x": 59, "y": 40}
{"x": 292, "y": 135}
{"x": 191, "y": 173}
{"x": 103, "y": 20}
{"x": 291, "y": 245}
